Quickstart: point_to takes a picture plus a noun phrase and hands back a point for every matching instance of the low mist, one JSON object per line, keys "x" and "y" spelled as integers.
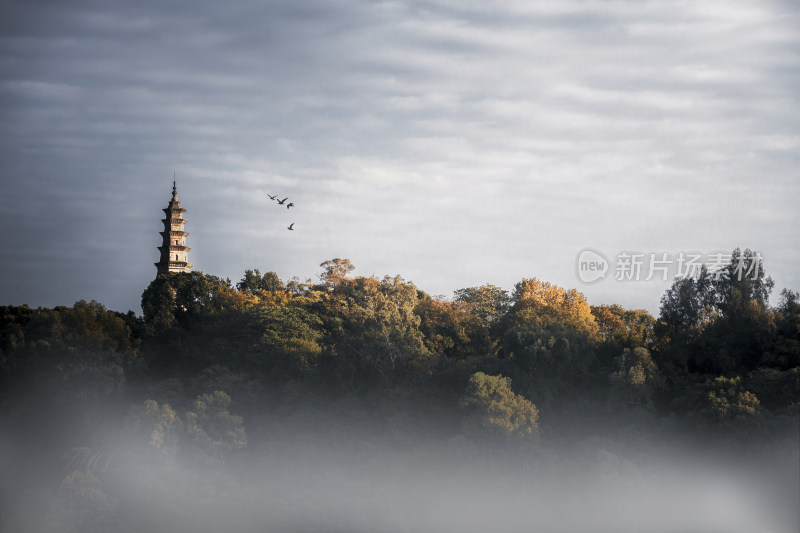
{"x": 364, "y": 404}
{"x": 373, "y": 481}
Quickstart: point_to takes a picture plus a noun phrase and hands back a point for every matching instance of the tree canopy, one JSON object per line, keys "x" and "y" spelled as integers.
{"x": 211, "y": 372}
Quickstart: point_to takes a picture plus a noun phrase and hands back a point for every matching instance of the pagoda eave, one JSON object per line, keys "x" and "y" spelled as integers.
{"x": 175, "y": 266}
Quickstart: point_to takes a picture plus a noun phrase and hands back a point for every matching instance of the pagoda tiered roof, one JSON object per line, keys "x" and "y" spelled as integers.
{"x": 173, "y": 253}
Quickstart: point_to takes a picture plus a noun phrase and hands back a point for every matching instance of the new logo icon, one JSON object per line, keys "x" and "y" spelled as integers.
{"x": 591, "y": 265}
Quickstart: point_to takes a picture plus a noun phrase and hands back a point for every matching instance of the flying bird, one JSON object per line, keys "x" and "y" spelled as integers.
{"x": 290, "y": 204}
{"x": 272, "y": 197}
{"x": 280, "y": 202}
{"x": 289, "y": 227}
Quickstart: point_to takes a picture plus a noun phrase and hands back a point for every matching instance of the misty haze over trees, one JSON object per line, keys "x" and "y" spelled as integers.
{"x": 342, "y": 404}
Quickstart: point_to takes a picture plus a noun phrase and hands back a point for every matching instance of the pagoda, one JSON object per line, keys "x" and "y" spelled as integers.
{"x": 173, "y": 245}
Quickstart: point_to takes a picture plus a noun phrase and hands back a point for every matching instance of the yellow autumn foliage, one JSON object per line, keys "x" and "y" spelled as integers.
{"x": 544, "y": 303}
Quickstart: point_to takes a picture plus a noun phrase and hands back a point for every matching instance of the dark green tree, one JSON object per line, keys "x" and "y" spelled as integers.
{"x": 785, "y": 354}
{"x": 486, "y": 302}
{"x": 253, "y": 282}
{"x": 498, "y": 415}
{"x": 719, "y": 322}
{"x": 373, "y": 331}
{"x": 636, "y": 380}
{"x": 213, "y": 429}
{"x": 687, "y": 308}
{"x": 286, "y": 339}
{"x": 744, "y": 330}
{"x": 175, "y": 298}
{"x": 452, "y": 330}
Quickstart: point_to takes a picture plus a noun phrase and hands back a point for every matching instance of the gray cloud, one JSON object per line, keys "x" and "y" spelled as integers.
{"x": 455, "y": 143}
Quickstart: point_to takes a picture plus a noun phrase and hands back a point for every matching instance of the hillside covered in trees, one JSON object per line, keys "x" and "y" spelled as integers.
{"x": 218, "y": 387}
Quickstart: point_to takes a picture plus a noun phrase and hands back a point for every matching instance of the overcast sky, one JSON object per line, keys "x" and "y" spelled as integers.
{"x": 452, "y": 142}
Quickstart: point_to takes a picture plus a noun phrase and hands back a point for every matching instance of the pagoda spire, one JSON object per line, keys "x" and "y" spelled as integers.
{"x": 173, "y": 239}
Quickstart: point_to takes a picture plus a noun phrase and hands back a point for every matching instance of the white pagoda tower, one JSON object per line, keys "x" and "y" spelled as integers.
{"x": 173, "y": 245}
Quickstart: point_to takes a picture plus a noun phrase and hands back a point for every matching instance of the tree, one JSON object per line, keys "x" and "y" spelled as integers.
{"x": 686, "y": 308}
{"x": 719, "y": 322}
{"x": 253, "y": 282}
{"x": 744, "y": 330}
{"x": 84, "y": 327}
{"x": 373, "y": 331}
{"x": 786, "y": 352}
{"x": 627, "y": 328}
{"x": 621, "y": 328}
{"x": 296, "y": 287}
{"x": 175, "y": 298}
{"x": 743, "y": 279}
{"x": 286, "y": 338}
{"x": 90, "y": 326}
{"x": 158, "y": 304}
{"x": 728, "y": 400}
{"x": 549, "y": 335}
{"x": 213, "y": 429}
{"x": 451, "y": 329}
{"x": 549, "y": 353}
{"x": 776, "y": 389}
{"x": 161, "y": 426}
{"x": 497, "y": 413}
{"x": 636, "y": 379}
{"x": 335, "y": 272}
{"x": 83, "y": 506}
{"x": 486, "y": 302}
{"x": 541, "y": 303}
{"x": 191, "y": 319}
{"x": 68, "y": 363}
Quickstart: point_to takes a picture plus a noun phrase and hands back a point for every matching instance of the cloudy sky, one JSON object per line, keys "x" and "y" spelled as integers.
{"x": 453, "y": 142}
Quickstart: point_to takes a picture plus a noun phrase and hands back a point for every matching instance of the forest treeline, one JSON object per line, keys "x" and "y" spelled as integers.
{"x": 212, "y": 369}
{"x": 219, "y": 392}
